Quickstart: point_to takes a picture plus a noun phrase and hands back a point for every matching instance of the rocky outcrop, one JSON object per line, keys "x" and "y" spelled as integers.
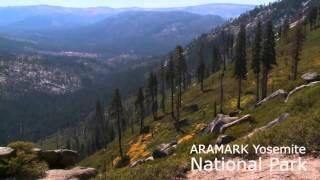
{"x": 6, "y": 152}
{"x": 311, "y": 77}
{"x": 164, "y": 150}
{"x": 278, "y": 120}
{"x": 224, "y": 139}
{"x": 300, "y": 88}
{"x": 278, "y": 93}
{"x": 75, "y": 173}
{"x": 60, "y": 158}
{"x": 222, "y": 122}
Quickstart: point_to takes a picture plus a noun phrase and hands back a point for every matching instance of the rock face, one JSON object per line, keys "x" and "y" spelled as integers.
{"x": 164, "y": 150}
{"x": 222, "y": 122}
{"x": 60, "y": 158}
{"x": 311, "y": 76}
{"x": 75, "y": 173}
{"x": 279, "y": 92}
{"x": 224, "y": 139}
{"x": 6, "y": 152}
{"x": 299, "y": 88}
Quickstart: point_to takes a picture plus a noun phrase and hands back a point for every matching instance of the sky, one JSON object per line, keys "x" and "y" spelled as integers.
{"x": 125, "y": 3}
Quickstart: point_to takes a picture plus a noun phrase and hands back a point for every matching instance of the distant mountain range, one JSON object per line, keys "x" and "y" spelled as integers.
{"x": 64, "y": 16}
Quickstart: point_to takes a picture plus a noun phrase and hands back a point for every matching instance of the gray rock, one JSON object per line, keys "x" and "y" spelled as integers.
{"x": 164, "y": 150}
{"x": 6, "y": 152}
{"x": 218, "y": 122}
{"x": 60, "y": 158}
{"x": 75, "y": 173}
{"x": 224, "y": 139}
{"x": 278, "y": 93}
{"x": 311, "y": 76}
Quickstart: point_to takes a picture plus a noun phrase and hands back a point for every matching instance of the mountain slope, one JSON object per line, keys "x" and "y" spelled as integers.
{"x": 304, "y": 117}
{"x": 302, "y": 109}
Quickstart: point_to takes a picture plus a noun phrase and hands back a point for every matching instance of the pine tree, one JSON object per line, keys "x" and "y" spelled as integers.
{"x": 268, "y": 57}
{"x": 201, "y": 69}
{"x": 153, "y": 90}
{"x": 99, "y": 125}
{"x": 179, "y": 74}
{"x": 286, "y": 28}
{"x": 240, "y": 71}
{"x": 256, "y": 58}
{"x": 221, "y": 76}
{"x": 162, "y": 75}
{"x": 297, "y": 44}
{"x": 215, "y": 58}
{"x": 139, "y": 104}
{"x": 116, "y": 109}
{"x": 170, "y": 76}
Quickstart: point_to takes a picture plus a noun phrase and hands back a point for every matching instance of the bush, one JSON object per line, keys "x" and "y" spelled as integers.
{"x": 25, "y": 164}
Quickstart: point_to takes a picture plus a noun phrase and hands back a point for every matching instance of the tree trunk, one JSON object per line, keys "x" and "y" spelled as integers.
{"x": 141, "y": 124}
{"x": 239, "y": 94}
{"x": 201, "y": 85}
{"x": 258, "y": 87}
{"x": 294, "y": 69}
{"x": 221, "y": 91}
{"x": 119, "y": 134}
{"x": 172, "y": 102}
{"x": 264, "y": 83}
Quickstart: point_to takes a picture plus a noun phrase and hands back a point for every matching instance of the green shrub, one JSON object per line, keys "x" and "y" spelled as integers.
{"x": 25, "y": 164}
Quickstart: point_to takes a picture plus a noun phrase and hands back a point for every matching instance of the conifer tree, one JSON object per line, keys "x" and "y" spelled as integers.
{"x": 268, "y": 57}
{"x": 297, "y": 44}
{"x": 256, "y": 58}
{"x": 170, "y": 77}
{"x": 201, "y": 69}
{"x": 99, "y": 125}
{"x": 286, "y": 28}
{"x": 240, "y": 70}
{"x": 153, "y": 90}
{"x": 162, "y": 75}
{"x": 215, "y": 58}
{"x": 139, "y": 104}
{"x": 179, "y": 76}
{"x": 116, "y": 109}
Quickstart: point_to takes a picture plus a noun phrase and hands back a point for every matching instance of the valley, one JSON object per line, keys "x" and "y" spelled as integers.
{"x": 140, "y": 93}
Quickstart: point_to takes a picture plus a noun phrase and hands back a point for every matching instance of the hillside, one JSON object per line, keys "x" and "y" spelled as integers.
{"x": 302, "y": 108}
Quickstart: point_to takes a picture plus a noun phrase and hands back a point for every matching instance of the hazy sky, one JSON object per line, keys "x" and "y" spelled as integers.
{"x": 125, "y": 3}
